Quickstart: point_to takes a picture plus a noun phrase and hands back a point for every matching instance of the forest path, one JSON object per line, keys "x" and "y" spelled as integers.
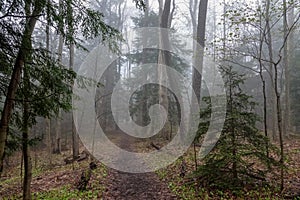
{"x": 122, "y": 185}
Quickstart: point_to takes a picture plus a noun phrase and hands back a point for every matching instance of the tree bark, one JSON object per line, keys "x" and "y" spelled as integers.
{"x": 272, "y": 99}
{"x": 57, "y": 147}
{"x": 199, "y": 50}
{"x": 47, "y": 120}
{"x": 279, "y": 124}
{"x": 164, "y": 59}
{"x": 291, "y": 53}
{"x": 143, "y": 104}
{"x": 26, "y": 151}
{"x": 75, "y": 137}
{"x": 286, "y": 120}
{"x": 171, "y": 15}
{"x": 261, "y": 44}
{"x": 70, "y": 24}
{"x": 57, "y": 143}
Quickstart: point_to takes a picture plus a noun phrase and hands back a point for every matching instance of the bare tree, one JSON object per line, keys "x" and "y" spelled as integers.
{"x": 261, "y": 70}
{"x": 269, "y": 42}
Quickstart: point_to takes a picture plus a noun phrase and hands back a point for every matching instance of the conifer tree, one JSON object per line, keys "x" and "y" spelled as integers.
{"x": 241, "y": 147}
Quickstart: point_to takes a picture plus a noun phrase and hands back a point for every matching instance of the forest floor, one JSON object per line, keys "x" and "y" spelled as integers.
{"x": 58, "y": 180}
{"x": 122, "y": 185}
{"x": 187, "y": 187}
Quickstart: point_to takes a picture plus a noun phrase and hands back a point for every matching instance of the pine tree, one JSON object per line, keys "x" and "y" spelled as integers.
{"x": 241, "y": 148}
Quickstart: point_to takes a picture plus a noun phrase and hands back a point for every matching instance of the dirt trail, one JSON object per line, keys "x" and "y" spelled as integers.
{"x": 121, "y": 185}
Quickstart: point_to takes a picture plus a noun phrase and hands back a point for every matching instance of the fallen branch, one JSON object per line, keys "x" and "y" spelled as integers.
{"x": 155, "y": 146}
{"x": 82, "y": 156}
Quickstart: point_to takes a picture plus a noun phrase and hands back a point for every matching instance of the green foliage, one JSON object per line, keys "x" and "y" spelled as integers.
{"x": 67, "y": 192}
{"x": 48, "y": 87}
{"x": 50, "y": 83}
{"x": 13, "y": 142}
{"x": 147, "y": 95}
{"x": 189, "y": 187}
{"x": 63, "y": 189}
{"x": 75, "y": 18}
{"x": 239, "y": 157}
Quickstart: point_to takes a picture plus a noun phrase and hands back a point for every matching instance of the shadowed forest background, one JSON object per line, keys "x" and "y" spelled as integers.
{"x": 254, "y": 46}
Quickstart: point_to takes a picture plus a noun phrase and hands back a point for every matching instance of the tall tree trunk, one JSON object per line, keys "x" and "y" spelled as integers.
{"x": 279, "y": 124}
{"x": 199, "y": 34}
{"x": 275, "y": 94}
{"x": 16, "y": 76}
{"x": 70, "y": 24}
{"x": 47, "y": 120}
{"x": 26, "y": 151}
{"x": 57, "y": 143}
{"x": 272, "y": 99}
{"x": 291, "y": 53}
{"x": 193, "y": 5}
{"x": 75, "y": 137}
{"x": 164, "y": 59}
{"x": 264, "y": 93}
{"x": 57, "y": 147}
{"x": 26, "y": 119}
{"x": 199, "y": 50}
{"x": 27, "y": 163}
{"x": 143, "y": 104}
{"x": 232, "y": 127}
{"x": 286, "y": 120}
{"x": 171, "y": 15}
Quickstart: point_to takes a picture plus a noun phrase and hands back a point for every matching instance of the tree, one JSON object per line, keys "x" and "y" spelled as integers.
{"x": 269, "y": 42}
{"x": 37, "y": 83}
{"x": 70, "y": 25}
{"x": 286, "y": 121}
{"x": 241, "y": 146}
{"x": 115, "y": 17}
{"x": 199, "y": 30}
{"x": 199, "y": 50}
{"x": 47, "y": 120}
{"x": 25, "y": 135}
{"x": 270, "y": 54}
{"x": 16, "y": 73}
{"x": 57, "y": 141}
{"x": 91, "y": 25}
{"x": 164, "y": 58}
{"x": 147, "y": 95}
